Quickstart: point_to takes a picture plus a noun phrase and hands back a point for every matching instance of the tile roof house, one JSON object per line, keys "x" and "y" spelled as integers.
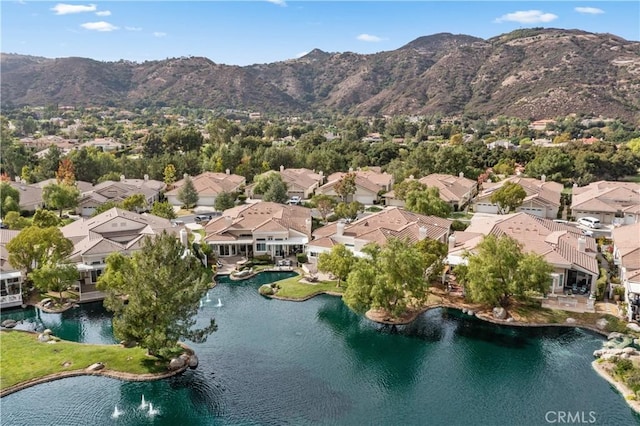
{"x": 114, "y": 230}
{"x": 572, "y": 255}
{"x": 378, "y": 228}
{"x": 610, "y": 202}
{"x": 369, "y": 183}
{"x": 260, "y": 228}
{"x": 542, "y": 200}
{"x": 30, "y": 195}
{"x": 300, "y": 182}
{"x": 117, "y": 191}
{"x": 455, "y": 190}
{"x": 208, "y": 186}
{"x": 11, "y": 278}
{"x": 626, "y": 254}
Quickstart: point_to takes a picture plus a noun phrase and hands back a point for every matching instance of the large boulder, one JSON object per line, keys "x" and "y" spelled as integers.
{"x": 43, "y": 337}
{"x": 9, "y": 323}
{"x": 633, "y": 327}
{"x": 614, "y": 335}
{"x": 602, "y": 323}
{"x": 95, "y": 367}
{"x": 193, "y": 361}
{"x": 500, "y": 313}
{"x": 176, "y": 364}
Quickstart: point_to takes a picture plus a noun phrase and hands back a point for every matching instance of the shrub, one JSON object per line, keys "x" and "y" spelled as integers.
{"x": 302, "y": 258}
{"x": 622, "y": 366}
{"x": 266, "y": 290}
{"x": 458, "y": 225}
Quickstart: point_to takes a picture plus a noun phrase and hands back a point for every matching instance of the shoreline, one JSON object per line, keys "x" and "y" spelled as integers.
{"x": 620, "y": 387}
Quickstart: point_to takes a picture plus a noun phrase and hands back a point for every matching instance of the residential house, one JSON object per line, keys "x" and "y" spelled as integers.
{"x": 104, "y": 144}
{"x": 30, "y": 195}
{"x": 369, "y": 183}
{"x": 542, "y": 199}
{"x": 300, "y": 182}
{"x": 392, "y": 222}
{"x": 455, "y": 190}
{"x": 80, "y": 184}
{"x": 114, "y": 230}
{"x": 117, "y": 191}
{"x": 208, "y": 186}
{"x": 611, "y": 202}
{"x": 11, "y": 278}
{"x": 626, "y": 255}
{"x": 502, "y": 143}
{"x": 572, "y": 255}
{"x": 258, "y": 229}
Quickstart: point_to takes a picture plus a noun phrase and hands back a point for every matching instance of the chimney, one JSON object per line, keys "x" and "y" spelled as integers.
{"x": 184, "y": 237}
{"x": 146, "y": 178}
{"x": 228, "y": 171}
{"x": 575, "y": 185}
{"x": 121, "y": 178}
{"x": 350, "y": 169}
{"x": 281, "y": 168}
{"x": 582, "y": 244}
{"x": 411, "y": 177}
{"x": 452, "y": 242}
{"x": 321, "y": 173}
{"x": 461, "y": 174}
{"x": 186, "y": 175}
{"x": 228, "y": 220}
{"x": 422, "y": 233}
{"x": 543, "y": 178}
{"x": 308, "y": 223}
{"x": 340, "y": 229}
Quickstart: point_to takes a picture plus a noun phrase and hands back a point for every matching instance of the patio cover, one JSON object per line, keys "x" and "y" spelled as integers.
{"x": 292, "y": 241}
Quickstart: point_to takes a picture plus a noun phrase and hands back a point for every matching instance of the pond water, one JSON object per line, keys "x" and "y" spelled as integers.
{"x": 300, "y": 363}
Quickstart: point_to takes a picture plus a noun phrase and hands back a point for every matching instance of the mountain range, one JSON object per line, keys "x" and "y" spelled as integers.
{"x": 528, "y": 73}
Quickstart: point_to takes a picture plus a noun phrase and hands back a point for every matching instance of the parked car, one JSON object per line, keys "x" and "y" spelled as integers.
{"x": 295, "y": 200}
{"x": 202, "y": 218}
{"x": 590, "y": 222}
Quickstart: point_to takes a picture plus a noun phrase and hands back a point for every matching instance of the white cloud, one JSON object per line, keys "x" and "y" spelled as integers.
{"x": 66, "y": 9}
{"x": 99, "y": 26}
{"x": 369, "y": 38}
{"x": 104, "y": 13}
{"x": 527, "y": 17}
{"x": 133, "y": 28}
{"x": 278, "y": 2}
{"x": 159, "y": 34}
{"x": 589, "y": 10}
{"x": 301, "y": 54}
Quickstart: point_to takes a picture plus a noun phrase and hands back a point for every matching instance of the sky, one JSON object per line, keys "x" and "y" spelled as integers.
{"x": 254, "y": 32}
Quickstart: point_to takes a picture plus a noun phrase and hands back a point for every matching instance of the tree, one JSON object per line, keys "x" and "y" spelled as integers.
{"x": 337, "y": 262}
{"x": 188, "y": 195}
{"x": 134, "y": 202}
{"x": 55, "y": 277}
{"x": 15, "y": 221}
{"x": 224, "y": 201}
{"x": 498, "y": 270}
{"x": 163, "y": 209}
{"x": 60, "y": 196}
{"x": 509, "y": 197}
{"x": 277, "y": 191}
{"x": 427, "y": 202}
{"x": 34, "y": 247}
{"x": 349, "y": 210}
{"x": 163, "y": 286}
{"x": 324, "y": 204}
{"x": 169, "y": 174}
{"x": 346, "y": 186}
{"x": 10, "y": 198}
{"x": 65, "y": 173}
{"x": 45, "y": 219}
{"x": 434, "y": 253}
{"x": 401, "y": 189}
{"x": 392, "y": 280}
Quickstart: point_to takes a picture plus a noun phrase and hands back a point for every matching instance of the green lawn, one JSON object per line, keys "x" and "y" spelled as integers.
{"x": 461, "y": 215}
{"x": 292, "y": 288}
{"x": 23, "y": 358}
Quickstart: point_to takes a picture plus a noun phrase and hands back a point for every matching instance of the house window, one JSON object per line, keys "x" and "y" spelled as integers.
{"x": 10, "y": 286}
{"x": 261, "y": 245}
{"x": 95, "y": 274}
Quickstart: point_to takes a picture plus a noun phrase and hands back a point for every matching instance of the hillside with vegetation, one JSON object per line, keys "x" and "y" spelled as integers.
{"x": 531, "y": 74}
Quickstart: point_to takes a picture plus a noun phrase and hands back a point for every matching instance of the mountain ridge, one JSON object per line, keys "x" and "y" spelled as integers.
{"x": 528, "y": 73}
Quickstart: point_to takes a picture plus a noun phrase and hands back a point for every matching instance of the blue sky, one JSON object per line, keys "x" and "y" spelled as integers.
{"x": 249, "y": 32}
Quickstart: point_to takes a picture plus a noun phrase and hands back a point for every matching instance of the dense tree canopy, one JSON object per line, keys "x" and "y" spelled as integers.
{"x": 163, "y": 286}
{"x": 499, "y": 270}
{"x": 10, "y": 199}
{"x": 187, "y": 194}
{"x": 35, "y": 247}
{"x": 508, "y": 197}
{"x": 60, "y": 196}
{"x": 337, "y": 262}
